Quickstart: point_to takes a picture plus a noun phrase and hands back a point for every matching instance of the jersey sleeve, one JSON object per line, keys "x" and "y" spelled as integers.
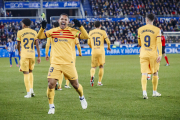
{"x": 139, "y": 40}
{"x": 48, "y": 33}
{"x": 18, "y": 36}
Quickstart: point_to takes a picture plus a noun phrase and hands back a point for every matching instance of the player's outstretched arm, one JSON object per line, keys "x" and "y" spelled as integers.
{"x": 38, "y": 50}
{"x": 84, "y": 34}
{"x": 79, "y": 49}
{"x": 47, "y": 48}
{"x": 41, "y": 34}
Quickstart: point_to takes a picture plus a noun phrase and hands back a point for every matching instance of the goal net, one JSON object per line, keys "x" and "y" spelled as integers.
{"x": 172, "y": 37}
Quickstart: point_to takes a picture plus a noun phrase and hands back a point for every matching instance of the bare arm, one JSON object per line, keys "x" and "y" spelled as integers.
{"x": 38, "y": 50}
{"x": 79, "y": 49}
{"x": 18, "y": 47}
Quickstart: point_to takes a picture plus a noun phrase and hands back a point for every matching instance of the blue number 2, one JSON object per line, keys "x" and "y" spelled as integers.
{"x": 147, "y": 41}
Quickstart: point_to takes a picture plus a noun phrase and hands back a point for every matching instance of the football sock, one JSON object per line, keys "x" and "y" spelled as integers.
{"x": 80, "y": 90}
{"x": 10, "y": 60}
{"x": 149, "y": 75}
{"x": 16, "y": 61}
{"x": 166, "y": 58}
{"x": 67, "y": 82}
{"x": 144, "y": 92}
{"x": 27, "y": 83}
{"x": 51, "y": 105}
{"x": 101, "y": 73}
{"x": 31, "y": 80}
{"x": 155, "y": 82}
{"x": 50, "y": 95}
{"x": 154, "y": 92}
{"x": 92, "y": 71}
{"x": 60, "y": 80}
{"x": 144, "y": 82}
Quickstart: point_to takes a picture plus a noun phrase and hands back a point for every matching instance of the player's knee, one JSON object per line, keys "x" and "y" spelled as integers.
{"x": 101, "y": 66}
{"x": 155, "y": 74}
{"x": 74, "y": 83}
{"x": 51, "y": 83}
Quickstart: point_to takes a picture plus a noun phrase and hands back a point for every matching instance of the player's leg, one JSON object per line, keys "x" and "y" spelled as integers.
{"x": 31, "y": 79}
{"x": 24, "y": 67}
{"x": 13, "y": 55}
{"x": 165, "y": 57}
{"x": 53, "y": 75}
{"x": 67, "y": 83}
{"x": 70, "y": 72}
{"x": 101, "y": 61}
{"x": 155, "y": 84}
{"x": 51, "y": 94}
{"x": 78, "y": 87}
{"x": 101, "y": 73}
{"x": 10, "y": 59}
{"x": 94, "y": 64}
{"x": 60, "y": 80}
{"x": 144, "y": 70}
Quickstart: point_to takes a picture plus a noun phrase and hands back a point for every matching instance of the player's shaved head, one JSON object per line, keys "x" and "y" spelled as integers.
{"x": 55, "y": 24}
{"x": 97, "y": 24}
{"x": 150, "y": 17}
{"x": 26, "y": 21}
{"x": 65, "y": 15}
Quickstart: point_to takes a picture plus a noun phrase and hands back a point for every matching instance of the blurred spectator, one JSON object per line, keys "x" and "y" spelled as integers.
{"x": 37, "y": 28}
{"x": 1, "y": 42}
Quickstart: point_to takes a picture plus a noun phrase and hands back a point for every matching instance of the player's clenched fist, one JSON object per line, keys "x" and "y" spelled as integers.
{"x": 77, "y": 23}
{"x": 38, "y": 60}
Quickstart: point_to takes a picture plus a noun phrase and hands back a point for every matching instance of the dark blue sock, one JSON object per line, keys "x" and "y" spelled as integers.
{"x": 16, "y": 61}
{"x": 10, "y": 60}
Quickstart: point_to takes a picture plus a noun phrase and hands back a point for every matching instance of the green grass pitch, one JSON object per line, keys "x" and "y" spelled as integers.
{"x": 119, "y": 98}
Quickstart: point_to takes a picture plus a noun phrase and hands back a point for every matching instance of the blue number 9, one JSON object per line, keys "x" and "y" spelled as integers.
{"x": 147, "y": 41}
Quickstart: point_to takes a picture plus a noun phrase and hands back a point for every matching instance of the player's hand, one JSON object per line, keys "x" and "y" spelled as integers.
{"x": 47, "y": 57}
{"x": 159, "y": 59}
{"x": 109, "y": 49}
{"x": 80, "y": 55}
{"x": 43, "y": 24}
{"x": 39, "y": 60}
{"x": 77, "y": 23}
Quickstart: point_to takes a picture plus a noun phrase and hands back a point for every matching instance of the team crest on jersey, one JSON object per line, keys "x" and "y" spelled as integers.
{"x": 61, "y": 33}
{"x": 55, "y": 39}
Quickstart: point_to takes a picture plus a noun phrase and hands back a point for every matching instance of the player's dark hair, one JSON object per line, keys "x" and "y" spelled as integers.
{"x": 65, "y": 15}
{"x": 26, "y": 21}
{"x": 97, "y": 24}
{"x": 151, "y": 16}
{"x": 162, "y": 32}
{"x": 56, "y": 24}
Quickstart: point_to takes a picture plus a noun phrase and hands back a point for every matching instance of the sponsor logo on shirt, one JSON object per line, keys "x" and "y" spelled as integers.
{"x": 55, "y": 39}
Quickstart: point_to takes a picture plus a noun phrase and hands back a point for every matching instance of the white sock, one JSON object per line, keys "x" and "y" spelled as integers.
{"x": 81, "y": 97}
{"x": 154, "y": 92}
{"x": 29, "y": 93}
{"x": 144, "y": 92}
{"x": 149, "y": 75}
{"x": 51, "y": 105}
{"x": 31, "y": 90}
{"x": 99, "y": 82}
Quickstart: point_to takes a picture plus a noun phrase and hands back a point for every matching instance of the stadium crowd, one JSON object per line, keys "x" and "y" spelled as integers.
{"x": 124, "y": 32}
{"x": 117, "y": 8}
